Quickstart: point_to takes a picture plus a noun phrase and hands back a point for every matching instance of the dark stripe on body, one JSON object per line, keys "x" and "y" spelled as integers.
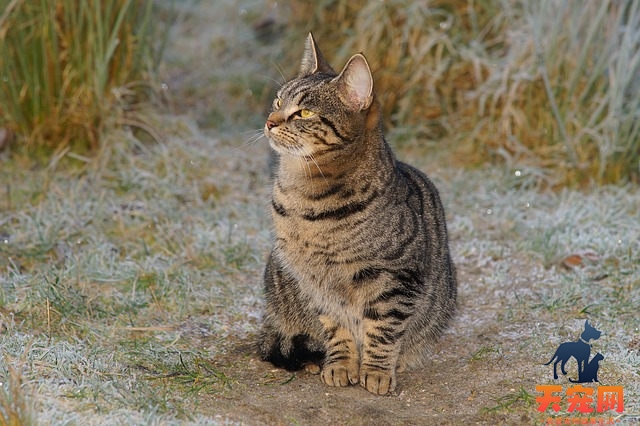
{"x": 341, "y": 212}
{"x": 371, "y": 313}
{"x": 376, "y": 357}
{"x": 395, "y": 292}
{"x": 378, "y": 339}
{"x": 385, "y": 335}
{"x": 375, "y": 315}
{"x": 278, "y": 208}
{"x": 410, "y": 278}
{"x": 366, "y": 274}
{"x": 329, "y": 192}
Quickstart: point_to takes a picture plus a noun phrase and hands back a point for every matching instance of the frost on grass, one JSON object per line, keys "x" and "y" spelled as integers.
{"x": 114, "y": 279}
{"x": 542, "y": 262}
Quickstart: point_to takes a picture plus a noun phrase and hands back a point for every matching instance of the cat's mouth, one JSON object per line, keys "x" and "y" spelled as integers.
{"x": 293, "y": 149}
{"x": 288, "y": 147}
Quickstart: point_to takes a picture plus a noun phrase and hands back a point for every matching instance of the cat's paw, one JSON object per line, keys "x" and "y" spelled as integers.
{"x": 312, "y": 368}
{"x": 340, "y": 374}
{"x": 377, "y": 381}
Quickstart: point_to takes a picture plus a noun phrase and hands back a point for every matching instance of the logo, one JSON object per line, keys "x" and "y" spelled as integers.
{"x": 580, "y": 350}
{"x": 585, "y": 401}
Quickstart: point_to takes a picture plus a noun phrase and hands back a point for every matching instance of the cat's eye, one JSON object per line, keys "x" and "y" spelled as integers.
{"x": 306, "y": 113}
{"x": 277, "y": 103}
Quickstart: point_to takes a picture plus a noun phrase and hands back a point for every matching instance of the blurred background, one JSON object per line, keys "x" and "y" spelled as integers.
{"x": 551, "y": 87}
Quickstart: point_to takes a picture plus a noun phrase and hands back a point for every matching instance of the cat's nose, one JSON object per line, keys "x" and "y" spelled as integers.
{"x": 271, "y": 124}
{"x": 274, "y": 120}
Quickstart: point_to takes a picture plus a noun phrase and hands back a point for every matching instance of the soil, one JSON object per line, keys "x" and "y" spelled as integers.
{"x": 464, "y": 383}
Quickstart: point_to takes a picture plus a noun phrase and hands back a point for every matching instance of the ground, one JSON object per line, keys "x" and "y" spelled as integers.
{"x": 131, "y": 283}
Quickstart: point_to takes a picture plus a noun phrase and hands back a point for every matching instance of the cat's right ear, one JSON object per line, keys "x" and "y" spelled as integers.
{"x": 355, "y": 83}
{"x": 312, "y": 59}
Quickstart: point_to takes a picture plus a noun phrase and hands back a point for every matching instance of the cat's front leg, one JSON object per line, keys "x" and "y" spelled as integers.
{"x": 381, "y": 349}
{"x": 341, "y": 364}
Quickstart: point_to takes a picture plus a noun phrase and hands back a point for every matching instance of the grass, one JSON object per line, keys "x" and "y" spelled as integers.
{"x": 15, "y": 407}
{"x": 551, "y": 86}
{"x": 109, "y": 281}
{"x": 515, "y": 397}
{"x": 69, "y": 70}
{"x": 130, "y": 282}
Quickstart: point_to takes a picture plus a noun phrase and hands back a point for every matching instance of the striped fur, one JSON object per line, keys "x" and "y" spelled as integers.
{"x": 360, "y": 280}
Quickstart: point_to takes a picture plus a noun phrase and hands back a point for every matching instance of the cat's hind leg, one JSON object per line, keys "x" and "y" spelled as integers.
{"x": 555, "y": 372}
{"x": 291, "y": 352}
{"x": 562, "y": 365}
{"x": 291, "y": 336}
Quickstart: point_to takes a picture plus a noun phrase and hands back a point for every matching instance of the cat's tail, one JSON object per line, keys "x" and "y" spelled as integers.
{"x": 552, "y": 359}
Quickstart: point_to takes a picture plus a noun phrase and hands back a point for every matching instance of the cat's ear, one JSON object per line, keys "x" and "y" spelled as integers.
{"x": 355, "y": 83}
{"x": 312, "y": 59}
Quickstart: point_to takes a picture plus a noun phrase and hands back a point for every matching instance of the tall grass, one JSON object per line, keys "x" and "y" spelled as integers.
{"x": 67, "y": 67}
{"x": 566, "y": 94}
{"x": 550, "y": 86}
{"x": 15, "y": 408}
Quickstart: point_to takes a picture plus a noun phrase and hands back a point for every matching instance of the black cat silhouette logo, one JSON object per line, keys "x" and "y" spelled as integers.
{"x": 581, "y": 351}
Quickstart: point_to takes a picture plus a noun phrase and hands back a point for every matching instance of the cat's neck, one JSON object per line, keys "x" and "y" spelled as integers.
{"x": 375, "y": 161}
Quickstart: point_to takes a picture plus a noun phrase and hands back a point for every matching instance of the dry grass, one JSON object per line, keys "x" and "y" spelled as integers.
{"x": 551, "y": 85}
{"x": 69, "y": 69}
{"x": 15, "y": 406}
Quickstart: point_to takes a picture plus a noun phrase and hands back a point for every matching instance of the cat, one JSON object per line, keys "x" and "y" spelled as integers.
{"x": 580, "y": 350}
{"x": 360, "y": 278}
{"x": 590, "y": 372}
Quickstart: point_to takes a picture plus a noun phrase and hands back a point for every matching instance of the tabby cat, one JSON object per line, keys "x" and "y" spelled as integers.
{"x": 360, "y": 279}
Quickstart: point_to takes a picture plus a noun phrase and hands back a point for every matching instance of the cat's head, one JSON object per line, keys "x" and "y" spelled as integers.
{"x": 590, "y": 332}
{"x": 320, "y": 110}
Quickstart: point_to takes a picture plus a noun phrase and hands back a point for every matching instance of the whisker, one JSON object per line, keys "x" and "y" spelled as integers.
{"x": 304, "y": 166}
{"x": 251, "y": 141}
{"x": 256, "y": 137}
{"x": 267, "y": 77}
{"x": 280, "y": 71}
{"x": 310, "y": 156}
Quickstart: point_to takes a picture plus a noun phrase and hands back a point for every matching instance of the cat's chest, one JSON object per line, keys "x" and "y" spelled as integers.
{"x": 324, "y": 231}
{"x": 321, "y": 251}
{"x": 323, "y": 266}
{"x": 323, "y": 256}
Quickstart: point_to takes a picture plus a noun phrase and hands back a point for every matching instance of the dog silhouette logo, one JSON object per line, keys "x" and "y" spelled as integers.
{"x": 581, "y": 351}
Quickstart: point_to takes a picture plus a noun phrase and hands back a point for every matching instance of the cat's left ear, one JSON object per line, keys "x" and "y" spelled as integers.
{"x": 355, "y": 83}
{"x": 312, "y": 59}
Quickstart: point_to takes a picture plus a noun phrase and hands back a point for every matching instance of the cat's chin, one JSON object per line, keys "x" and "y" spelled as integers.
{"x": 290, "y": 151}
{"x": 279, "y": 149}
